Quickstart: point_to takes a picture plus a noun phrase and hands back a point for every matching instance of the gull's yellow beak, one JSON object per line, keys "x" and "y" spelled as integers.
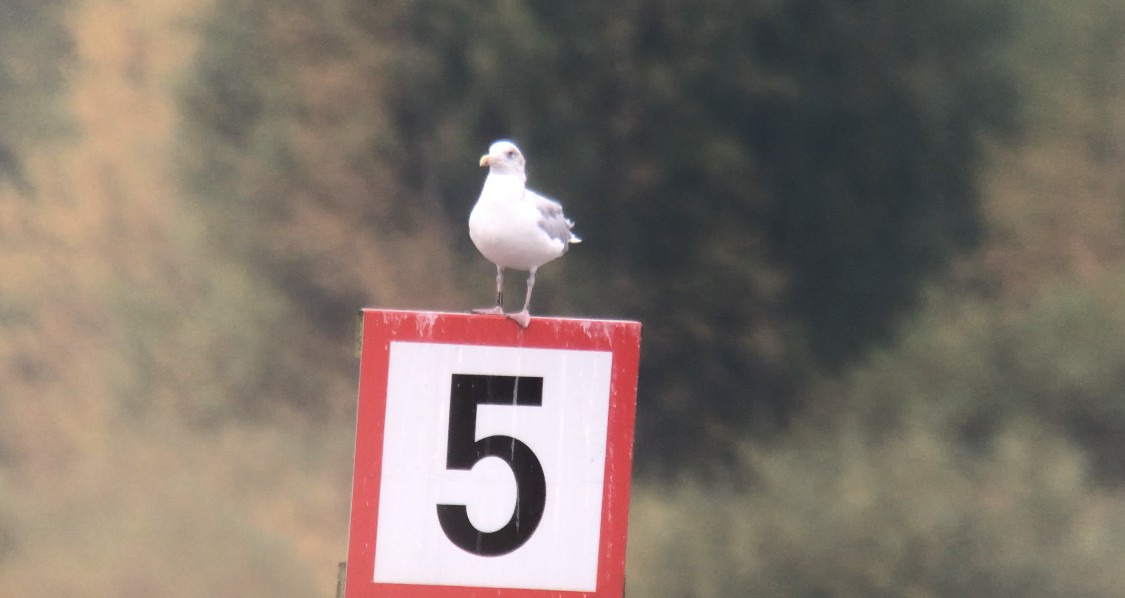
{"x": 484, "y": 160}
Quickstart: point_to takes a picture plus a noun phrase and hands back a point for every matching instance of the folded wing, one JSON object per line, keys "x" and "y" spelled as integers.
{"x": 552, "y": 220}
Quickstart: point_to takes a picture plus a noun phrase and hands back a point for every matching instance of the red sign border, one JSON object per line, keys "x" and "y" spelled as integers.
{"x": 381, "y": 327}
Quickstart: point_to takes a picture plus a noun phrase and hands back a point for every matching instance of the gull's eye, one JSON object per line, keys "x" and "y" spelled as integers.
{"x": 511, "y": 153}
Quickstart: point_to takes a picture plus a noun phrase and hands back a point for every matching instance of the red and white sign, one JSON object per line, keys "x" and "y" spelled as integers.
{"x": 492, "y": 460}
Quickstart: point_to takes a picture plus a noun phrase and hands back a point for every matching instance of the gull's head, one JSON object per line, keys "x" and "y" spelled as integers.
{"x": 504, "y": 157}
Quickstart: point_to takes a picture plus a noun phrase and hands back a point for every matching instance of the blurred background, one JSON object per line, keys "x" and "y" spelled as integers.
{"x": 878, "y": 248}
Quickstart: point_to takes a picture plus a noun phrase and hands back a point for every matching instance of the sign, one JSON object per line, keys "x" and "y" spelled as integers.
{"x": 492, "y": 460}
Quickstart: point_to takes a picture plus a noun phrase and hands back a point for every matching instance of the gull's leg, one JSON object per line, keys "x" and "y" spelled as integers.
{"x": 523, "y": 318}
{"x": 498, "y": 309}
{"x": 499, "y": 287}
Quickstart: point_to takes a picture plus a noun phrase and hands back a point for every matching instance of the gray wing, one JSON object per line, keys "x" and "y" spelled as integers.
{"x": 552, "y": 220}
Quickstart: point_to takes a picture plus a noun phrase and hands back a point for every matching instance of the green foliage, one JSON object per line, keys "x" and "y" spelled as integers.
{"x": 764, "y": 184}
{"x": 843, "y": 512}
{"x": 977, "y": 455}
{"x": 34, "y": 49}
{"x": 1070, "y": 67}
{"x": 280, "y": 152}
{"x": 974, "y": 365}
{"x": 233, "y": 354}
{"x": 186, "y": 515}
{"x": 886, "y": 104}
{"x": 7, "y": 521}
{"x": 233, "y": 103}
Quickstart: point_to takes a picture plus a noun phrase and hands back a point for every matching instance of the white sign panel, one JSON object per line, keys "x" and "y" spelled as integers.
{"x": 565, "y": 431}
{"x": 492, "y": 461}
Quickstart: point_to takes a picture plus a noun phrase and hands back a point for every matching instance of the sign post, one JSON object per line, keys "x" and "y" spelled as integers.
{"x": 492, "y": 460}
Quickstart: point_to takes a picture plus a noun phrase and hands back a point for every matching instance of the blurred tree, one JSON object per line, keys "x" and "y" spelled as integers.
{"x": 283, "y": 146}
{"x": 764, "y": 184}
{"x": 840, "y": 511}
{"x": 34, "y": 45}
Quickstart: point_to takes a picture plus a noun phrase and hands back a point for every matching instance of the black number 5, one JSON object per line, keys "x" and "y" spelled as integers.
{"x": 467, "y": 391}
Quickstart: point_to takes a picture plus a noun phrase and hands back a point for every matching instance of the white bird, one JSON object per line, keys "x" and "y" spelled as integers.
{"x": 515, "y": 227}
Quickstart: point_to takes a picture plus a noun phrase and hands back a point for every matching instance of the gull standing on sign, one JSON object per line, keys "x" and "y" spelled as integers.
{"x": 515, "y": 227}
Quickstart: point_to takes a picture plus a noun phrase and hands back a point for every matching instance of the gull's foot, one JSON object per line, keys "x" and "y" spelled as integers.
{"x": 495, "y": 310}
{"x": 523, "y": 318}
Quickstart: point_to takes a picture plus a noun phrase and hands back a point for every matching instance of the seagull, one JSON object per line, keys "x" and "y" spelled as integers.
{"x": 515, "y": 227}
